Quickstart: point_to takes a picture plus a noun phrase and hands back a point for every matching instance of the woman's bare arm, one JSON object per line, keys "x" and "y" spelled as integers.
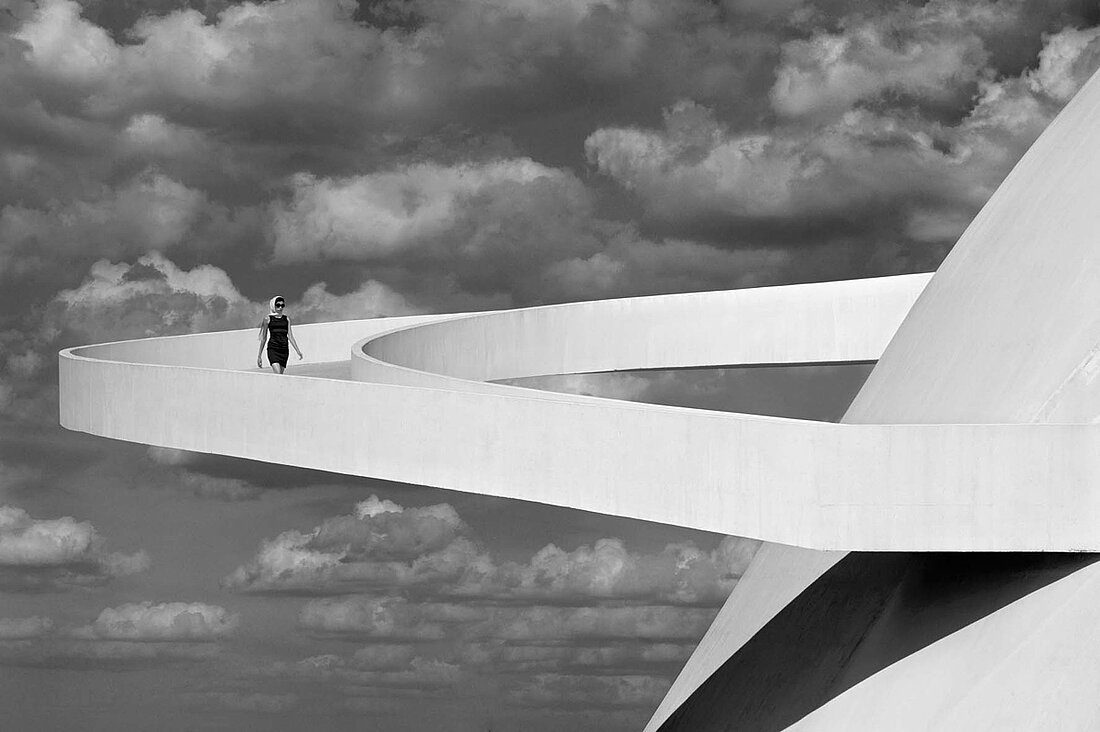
{"x": 263, "y": 340}
{"x": 290, "y": 337}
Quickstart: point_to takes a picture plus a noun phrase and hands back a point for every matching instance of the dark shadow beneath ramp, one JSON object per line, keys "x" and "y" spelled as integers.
{"x": 867, "y": 612}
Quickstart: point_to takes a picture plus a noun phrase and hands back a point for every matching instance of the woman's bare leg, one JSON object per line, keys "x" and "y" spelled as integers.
{"x": 277, "y": 368}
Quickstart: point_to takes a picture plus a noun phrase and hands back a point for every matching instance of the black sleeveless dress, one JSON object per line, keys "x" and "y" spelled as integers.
{"x": 278, "y": 347}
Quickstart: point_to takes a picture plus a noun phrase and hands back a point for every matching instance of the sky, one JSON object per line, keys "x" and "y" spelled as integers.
{"x": 167, "y": 166}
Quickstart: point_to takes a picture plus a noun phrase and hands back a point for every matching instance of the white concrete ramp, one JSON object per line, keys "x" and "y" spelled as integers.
{"x": 423, "y": 416}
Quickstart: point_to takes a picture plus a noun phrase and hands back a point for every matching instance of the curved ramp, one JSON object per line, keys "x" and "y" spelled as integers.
{"x": 416, "y": 412}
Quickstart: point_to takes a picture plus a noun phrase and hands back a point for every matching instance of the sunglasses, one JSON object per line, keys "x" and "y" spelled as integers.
{"x": 280, "y": 304}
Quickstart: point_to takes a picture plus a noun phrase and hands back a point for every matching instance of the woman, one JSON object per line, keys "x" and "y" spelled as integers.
{"x": 278, "y": 326}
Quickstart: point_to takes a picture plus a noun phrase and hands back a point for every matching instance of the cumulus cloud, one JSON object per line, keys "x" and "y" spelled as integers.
{"x": 931, "y": 176}
{"x": 151, "y": 136}
{"x": 680, "y": 574}
{"x": 55, "y": 553}
{"x": 307, "y": 64}
{"x": 217, "y": 104}
{"x": 430, "y": 552}
{"x": 370, "y": 216}
{"x": 148, "y": 212}
{"x": 187, "y": 57}
{"x": 487, "y": 229}
{"x": 150, "y": 297}
{"x": 313, "y": 52}
{"x": 154, "y": 296}
{"x": 123, "y": 637}
{"x": 698, "y": 164}
{"x": 1066, "y": 62}
{"x": 26, "y": 541}
{"x": 537, "y": 247}
{"x": 933, "y": 52}
{"x": 481, "y": 232}
{"x": 226, "y": 103}
{"x": 370, "y": 300}
{"x": 300, "y": 65}
{"x": 596, "y": 610}
{"x": 172, "y": 621}
{"x": 700, "y": 169}
{"x": 630, "y": 265}
{"x": 381, "y": 545}
{"x": 64, "y": 46}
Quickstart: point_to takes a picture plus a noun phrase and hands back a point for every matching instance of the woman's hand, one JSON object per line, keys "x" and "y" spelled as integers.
{"x": 299, "y": 355}
{"x": 259, "y": 362}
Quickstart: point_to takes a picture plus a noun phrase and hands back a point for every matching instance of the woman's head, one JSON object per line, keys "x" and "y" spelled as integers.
{"x": 277, "y": 304}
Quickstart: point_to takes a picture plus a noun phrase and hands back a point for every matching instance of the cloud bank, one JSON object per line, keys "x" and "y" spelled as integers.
{"x": 42, "y": 554}
{"x": 435, "y": 608}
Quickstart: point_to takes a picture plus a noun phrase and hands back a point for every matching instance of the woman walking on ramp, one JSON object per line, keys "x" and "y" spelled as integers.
{"x": 277, "y": 326}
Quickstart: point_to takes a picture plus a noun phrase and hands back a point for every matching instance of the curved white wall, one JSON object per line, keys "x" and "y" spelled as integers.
{"x": 850, "y": 321}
